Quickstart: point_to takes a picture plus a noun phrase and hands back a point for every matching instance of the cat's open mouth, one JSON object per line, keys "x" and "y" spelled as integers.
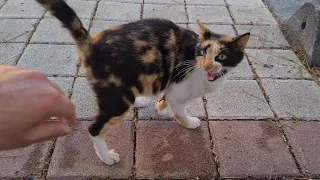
{"x": 215, "y": 76}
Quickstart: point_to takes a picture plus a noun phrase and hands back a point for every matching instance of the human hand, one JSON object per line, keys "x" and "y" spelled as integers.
{"x": 27, "y": 101}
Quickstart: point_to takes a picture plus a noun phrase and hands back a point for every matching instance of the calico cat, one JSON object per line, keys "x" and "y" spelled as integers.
{"x": 146, "y": 58}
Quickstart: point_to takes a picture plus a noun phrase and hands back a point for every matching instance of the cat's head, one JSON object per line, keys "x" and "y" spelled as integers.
{"x": 217, "y": 54}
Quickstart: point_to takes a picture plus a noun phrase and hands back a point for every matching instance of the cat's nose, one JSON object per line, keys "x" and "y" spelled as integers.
{"x": 207, "y": 66}
{"x": 211, "y": 67}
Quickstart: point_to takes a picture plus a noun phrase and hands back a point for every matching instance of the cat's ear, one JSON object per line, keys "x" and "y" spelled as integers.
{"x": 240, "y": 42}
{"x": 204, "y": 32}
{"x": 202, "y": 28}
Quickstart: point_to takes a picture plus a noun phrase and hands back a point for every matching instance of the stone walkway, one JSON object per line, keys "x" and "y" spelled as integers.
{"x": 264, "y": 123}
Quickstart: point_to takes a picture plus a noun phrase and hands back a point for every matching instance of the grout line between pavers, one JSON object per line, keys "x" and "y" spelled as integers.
{"x": 134, "y": 129}
{"x": 135, "y": 121}
{"x": 5, "y": 1}
{"x": 44, "y": 171}
{"x": 214, "y": 154}
{"x": 21, "y": 17}
{"x": 142, "y": 9}
{"x": 279, "y": 48}
{"x": 285, "y": 138}
{"x": 93, "y": 15}
{"x": 55, "y": 43}
{"x": 186, "y": 10}
{"x": 30, "y": 36}
{"x": 233, "y": 21}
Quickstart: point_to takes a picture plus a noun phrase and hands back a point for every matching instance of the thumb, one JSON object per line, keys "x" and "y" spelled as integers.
{"x": 47, "y": 130}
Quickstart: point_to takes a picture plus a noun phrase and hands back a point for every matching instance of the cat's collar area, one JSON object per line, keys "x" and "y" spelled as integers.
{"x": 214, "y": 76}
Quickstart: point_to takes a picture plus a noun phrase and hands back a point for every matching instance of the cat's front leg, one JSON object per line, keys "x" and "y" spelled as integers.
{"x": 180, "y": 114}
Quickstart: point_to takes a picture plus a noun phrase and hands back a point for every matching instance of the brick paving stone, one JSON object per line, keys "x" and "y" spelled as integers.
{"x": 128, "y": 1}
{"x": 255, "y": 3}
{"x": 275, "y": 63}
{"x": 10, "y": 52}
{"x": 238, "y": 99}
{"x": 252, "y": 15}
{"x": 194, "y": 108}
{"x": 65, "y": 83}
{"x": 2, "y": 2}
{"x": 84, "y": 9}
{"x": 16, "y": 30}
{"x": 21, "y": 9}
{"x": 84, "y": 98}
{"x": 263, "y": 36}
{"x": 24, "y": 163}
{"x": 205, "y": 2}
{"x": 100, "y": 25}
{"x": 74, "y": 156}
{"x": 50, "y": 59}
{"x": 298, "y": 99}
{"x": 219, "y": 29}
{"x": 242, "y": 71}
{"x": 51, "y": 31}
{"x": 175, "y": 13}
{"x": 304, "y": 140}
{"x": 249, "y": 148}
{"x": 126, "y": 11}
{"x": 181, "y": 2}
{"x": 205, "y": 14}
{"x": 166, "y": 150}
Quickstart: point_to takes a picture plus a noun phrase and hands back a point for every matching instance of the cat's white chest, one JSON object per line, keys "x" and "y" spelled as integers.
{"x": 195, "y": 86}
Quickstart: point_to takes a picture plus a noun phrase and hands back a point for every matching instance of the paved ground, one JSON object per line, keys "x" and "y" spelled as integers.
{"x": 264, "y": 123}
{"x": 284, "y": 10}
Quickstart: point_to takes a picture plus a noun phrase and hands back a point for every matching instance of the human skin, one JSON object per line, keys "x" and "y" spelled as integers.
{"x": 27, "y": 101}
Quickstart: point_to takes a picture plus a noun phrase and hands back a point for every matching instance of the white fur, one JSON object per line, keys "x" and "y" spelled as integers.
{"x": 197, "y": 85}
{"x": 108, "y": 157}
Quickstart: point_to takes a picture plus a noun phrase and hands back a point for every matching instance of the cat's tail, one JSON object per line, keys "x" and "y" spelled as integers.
{"x": 71, "y": 21}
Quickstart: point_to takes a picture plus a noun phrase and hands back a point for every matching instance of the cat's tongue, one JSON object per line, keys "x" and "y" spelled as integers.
{"x": 210, "y": 76}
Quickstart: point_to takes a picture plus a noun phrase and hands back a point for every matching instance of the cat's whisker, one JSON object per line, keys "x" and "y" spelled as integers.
{"x": 183, "y": 71}
{"x": 181, "y": 65}
{"x": 187, "y": 73}
{"x": 187, "y": 62}
{"x": 186, "y": 66}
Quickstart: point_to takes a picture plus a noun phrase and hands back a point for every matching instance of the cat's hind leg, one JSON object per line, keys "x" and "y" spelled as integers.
{"x": 110, "y": 113}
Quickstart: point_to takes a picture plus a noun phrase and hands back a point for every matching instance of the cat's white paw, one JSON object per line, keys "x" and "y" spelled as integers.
{"x": 110, "y": 158}
{"x": 191, "y": 122}
{"x": 141, "y": 102}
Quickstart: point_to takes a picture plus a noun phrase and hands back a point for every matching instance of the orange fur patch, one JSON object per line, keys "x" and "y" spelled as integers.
{"x": 97, "y": 37}
{"x": 225, "y": 39}
{"x": 115, "y": 80}
{"x": 147, "y": 83}
{"x": 150, "y": 56}
{"x": 111, "y": 123}
{"x": 135, "y": 91}
{"x": 138, "y": 44}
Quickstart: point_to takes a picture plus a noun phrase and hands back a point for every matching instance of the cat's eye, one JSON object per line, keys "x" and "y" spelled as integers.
{"x": 222, "y": 57}
{"x": 203, "y": 52}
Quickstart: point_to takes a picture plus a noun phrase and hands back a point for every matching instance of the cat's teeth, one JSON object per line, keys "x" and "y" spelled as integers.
{"x": 210, "y": 76}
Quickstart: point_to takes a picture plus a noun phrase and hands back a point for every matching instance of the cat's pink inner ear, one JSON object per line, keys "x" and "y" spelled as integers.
{"x": 202, "y": 28}
{"x": 240, "y": 42}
